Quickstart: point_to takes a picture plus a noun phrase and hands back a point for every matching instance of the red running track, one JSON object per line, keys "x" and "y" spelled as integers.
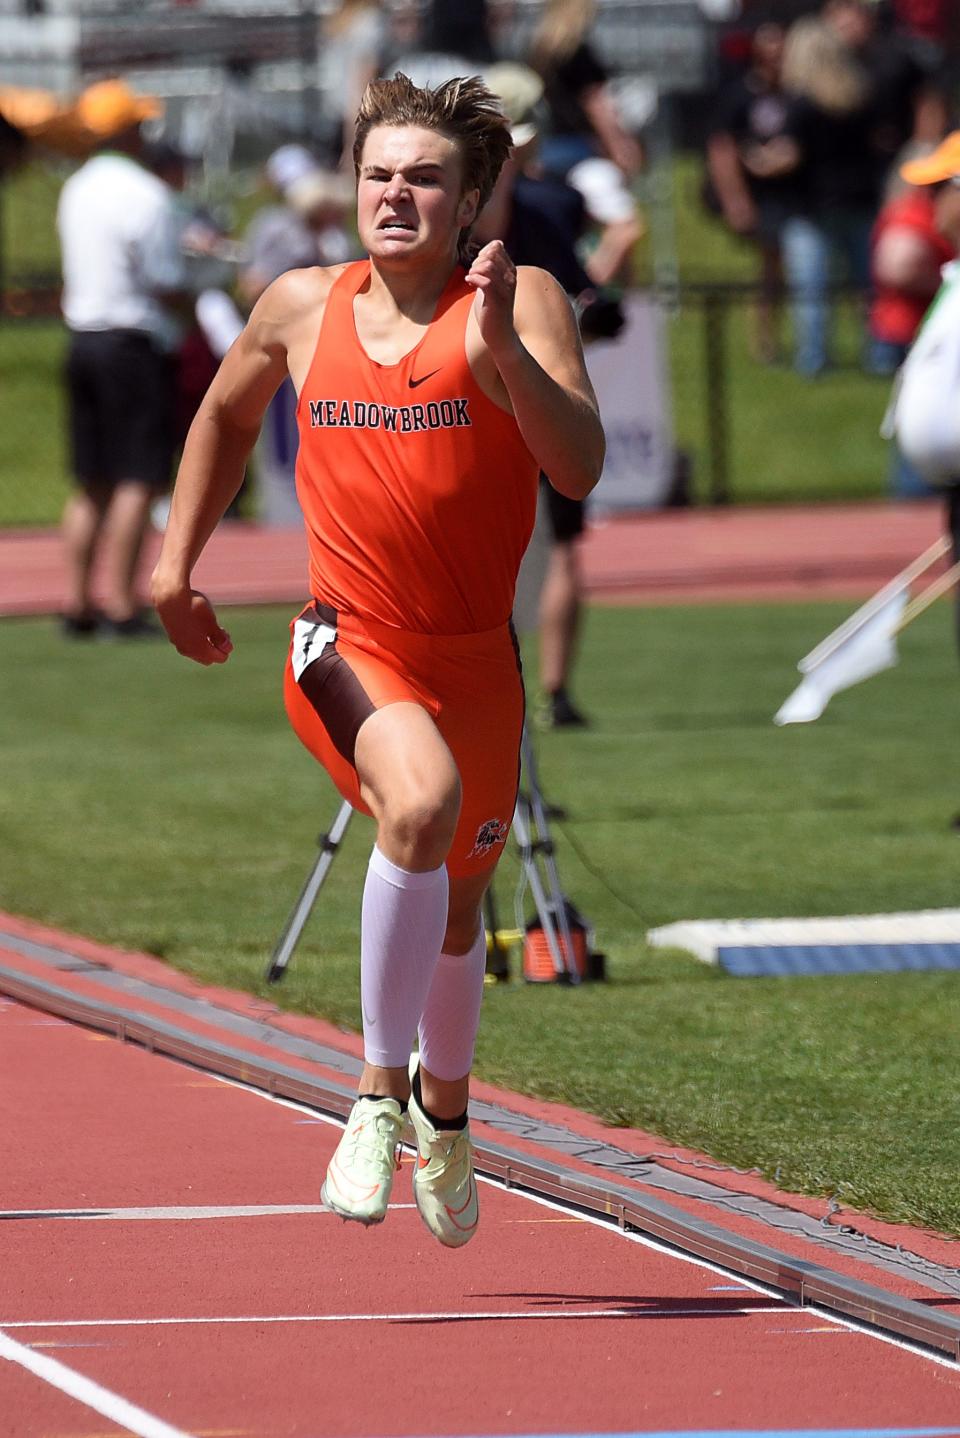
{"x": 266, "y": 1323}
{"x": 663, "y": 556}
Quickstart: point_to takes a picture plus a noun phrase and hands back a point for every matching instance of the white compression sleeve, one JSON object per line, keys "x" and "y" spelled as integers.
{"x": 404, "y": 917}
{"x": 451, "y": 1015}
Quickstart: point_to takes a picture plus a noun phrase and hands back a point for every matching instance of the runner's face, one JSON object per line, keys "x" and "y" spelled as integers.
{"x": 409, "y": 199}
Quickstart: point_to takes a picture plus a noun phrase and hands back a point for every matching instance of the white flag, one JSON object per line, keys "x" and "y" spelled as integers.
{"x": 870, "y": 649}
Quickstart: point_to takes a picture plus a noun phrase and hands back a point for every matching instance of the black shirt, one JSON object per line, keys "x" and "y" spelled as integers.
{"x": 565, "y": 81}
{"x": 546, "y": 218}
{"x": 752, "y": 115}
{"x": 838, "y": 166}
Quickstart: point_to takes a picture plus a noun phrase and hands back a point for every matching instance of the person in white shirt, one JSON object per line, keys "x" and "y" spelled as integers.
{"x": 122, "y": 277}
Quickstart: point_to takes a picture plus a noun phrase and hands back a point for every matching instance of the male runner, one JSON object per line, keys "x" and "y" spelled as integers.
{"x": 432, "y": 390}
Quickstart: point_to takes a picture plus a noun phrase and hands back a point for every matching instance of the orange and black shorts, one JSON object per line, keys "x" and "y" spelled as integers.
{"x": 341, "y": 669}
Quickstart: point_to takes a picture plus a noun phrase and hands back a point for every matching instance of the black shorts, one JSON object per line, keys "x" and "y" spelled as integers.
{"x": 566, "y": 515}
{"x": 120, "y": 392}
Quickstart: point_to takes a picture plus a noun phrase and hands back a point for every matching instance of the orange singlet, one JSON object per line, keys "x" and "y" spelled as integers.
{"x": 419, "y": 497}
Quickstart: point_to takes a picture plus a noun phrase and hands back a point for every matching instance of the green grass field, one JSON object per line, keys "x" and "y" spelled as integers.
{"x": 156, "y": 805}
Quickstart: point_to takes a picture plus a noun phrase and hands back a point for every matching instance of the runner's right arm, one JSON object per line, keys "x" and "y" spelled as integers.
{"x": 213, "y": 464}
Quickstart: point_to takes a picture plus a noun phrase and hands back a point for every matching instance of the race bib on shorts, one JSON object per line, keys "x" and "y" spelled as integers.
{"x": 310, "y": 639}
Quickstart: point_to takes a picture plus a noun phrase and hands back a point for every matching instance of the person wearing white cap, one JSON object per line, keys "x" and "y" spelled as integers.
{"x": 305, "y": 229}
{"x": 288, "y": 164}
{"x": 278, "y": 238}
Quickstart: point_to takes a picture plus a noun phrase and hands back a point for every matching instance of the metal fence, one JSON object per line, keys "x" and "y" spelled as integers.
{"x": 745, "y": 431}
{"x": 755, "y": 430}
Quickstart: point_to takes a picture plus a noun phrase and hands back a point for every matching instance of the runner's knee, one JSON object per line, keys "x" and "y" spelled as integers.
{"x": 420, "y": 823}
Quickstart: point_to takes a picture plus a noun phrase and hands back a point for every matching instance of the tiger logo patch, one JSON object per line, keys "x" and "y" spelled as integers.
{"x": 490, "y": 833}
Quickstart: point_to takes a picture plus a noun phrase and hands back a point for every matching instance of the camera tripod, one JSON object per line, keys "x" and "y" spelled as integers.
{"x": 537, "y": 857}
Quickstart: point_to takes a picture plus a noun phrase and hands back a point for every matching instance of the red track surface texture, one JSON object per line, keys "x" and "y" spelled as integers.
{"x": 294, "y": 1323}
{"x": 843, "y": 551}
{"x": 262, "y": 1324}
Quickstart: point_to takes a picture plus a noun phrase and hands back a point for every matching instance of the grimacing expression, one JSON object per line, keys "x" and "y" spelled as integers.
{"x": 410, "y": 200}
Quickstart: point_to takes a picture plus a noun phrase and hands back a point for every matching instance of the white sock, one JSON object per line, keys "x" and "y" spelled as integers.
{"x": 402, "y": 925}
{"x": 451, "y": 1015}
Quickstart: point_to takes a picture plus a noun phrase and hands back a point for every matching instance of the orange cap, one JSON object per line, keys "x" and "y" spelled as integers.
{"x": 943, "y": 163}
{"x": 110, "y": 107}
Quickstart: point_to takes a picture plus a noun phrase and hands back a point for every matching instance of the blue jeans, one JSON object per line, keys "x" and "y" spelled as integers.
{"x": 809, "y": 249}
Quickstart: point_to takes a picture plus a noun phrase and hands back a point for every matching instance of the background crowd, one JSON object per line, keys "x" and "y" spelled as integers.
{"x": 803, "y": 158}
{"x": 814, "y": 112}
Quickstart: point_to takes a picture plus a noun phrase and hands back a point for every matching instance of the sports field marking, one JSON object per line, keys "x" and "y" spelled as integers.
{"x": 811, "y": 1310}
{"x": 776, "y": 1433}
{"x": 262, "y": 1210}
{"x": 84, "y": 1390}
{"x": 427, "y": 1316}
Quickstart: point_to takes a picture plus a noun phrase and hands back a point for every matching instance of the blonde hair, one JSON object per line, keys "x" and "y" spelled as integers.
{"x": 463, "y": 109}
{"x": 560, "y": 30}
{"x": 818, "y": 65}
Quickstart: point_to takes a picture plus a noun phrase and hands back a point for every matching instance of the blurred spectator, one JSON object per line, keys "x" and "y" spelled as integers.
{"x": 452, "y": 38}
{"x": 13, "y": 147}
{"x": 925, "y": 406}
{"x": 856, "y": 102}
{"x": 915, "y": 237}
{"x": 351, "y": 47}
{"x": 307, "y": 229}
{"x": 747, "y": 184}
{"x": 278, "y": 238}
{"x": 583, "y": 120}
{"x": 907, "y": 94}
{"x": 459, "y": 27}
{"x": 614, "y": 221}
{"x": 199, "y": 238}
{"x": 829, "y": 127}
{"x": 323, "y": 199}
{"x": 540, "y": 218}
{"x": 908, "y": 253}
{"x": 585, "y": 141}
{"x": 926, "y": 20}
{"x": 123, "y": 276}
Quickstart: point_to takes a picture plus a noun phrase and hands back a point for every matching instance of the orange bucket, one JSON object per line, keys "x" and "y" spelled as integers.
{"x": 538, "y": 966}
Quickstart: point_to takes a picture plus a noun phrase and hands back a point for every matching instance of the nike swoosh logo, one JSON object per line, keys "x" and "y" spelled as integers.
{"x": 414, "y": 382}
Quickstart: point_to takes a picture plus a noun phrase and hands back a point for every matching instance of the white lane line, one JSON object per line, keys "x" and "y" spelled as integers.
{"x": 810, "y": 1309}
{"x": 828, "y": 1317}
{"x": 261, "y": 1210}
{"x": 84, "y": 1390}
{"x": 441, "y": 1316}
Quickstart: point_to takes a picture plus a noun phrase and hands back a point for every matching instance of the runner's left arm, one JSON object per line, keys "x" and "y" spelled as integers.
{"x": 527, "y": 323}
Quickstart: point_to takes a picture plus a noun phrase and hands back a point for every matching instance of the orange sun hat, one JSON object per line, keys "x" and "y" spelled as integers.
{"x": 109, "y": 107}
{"x": 943, "y": 163}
